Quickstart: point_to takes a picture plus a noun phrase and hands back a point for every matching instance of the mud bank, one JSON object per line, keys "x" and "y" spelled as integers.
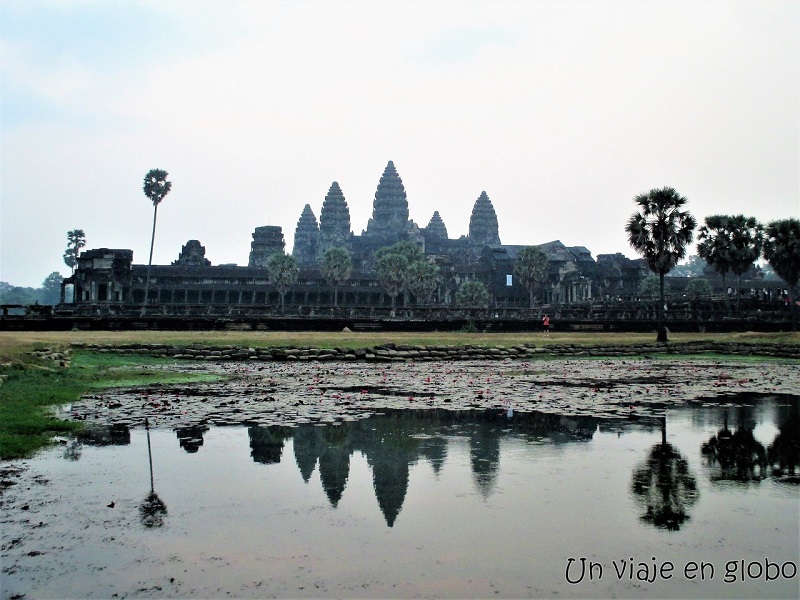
{"x": 295, "y": 392}
{"x": 401, "y": 353}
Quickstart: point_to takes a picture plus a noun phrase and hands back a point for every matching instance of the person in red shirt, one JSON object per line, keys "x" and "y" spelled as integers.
{"x": 546, "y": 325}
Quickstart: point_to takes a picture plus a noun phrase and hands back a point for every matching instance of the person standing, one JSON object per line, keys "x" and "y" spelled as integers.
{"x": 546, "y": 325}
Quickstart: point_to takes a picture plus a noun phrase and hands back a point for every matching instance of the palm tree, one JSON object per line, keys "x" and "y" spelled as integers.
{"x": 412, "y": 254}
{"x": 76, "y": 239}
{"x": 714, "y": 245}
{"x": 424, "y": 280}
{"x": 782, "y": 251}
{"x": 156, "y": 187}
{"x": 730, "y": 243}
{"x": 531, "y": 268}
{"x": 392, "y": 273}
{"x": 283, "y": 271}
{"x": 336, "y": 267}
{"x": 664, "y": 485}
{"x": 660, "y": 232}
{"x": 747, "y": 239}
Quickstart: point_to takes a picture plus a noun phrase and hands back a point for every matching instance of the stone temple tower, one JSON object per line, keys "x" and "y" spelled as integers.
{"x": 267, "y": 240}
{"x": 390, "y": 208}
{"x": 483, "y": 229}
{"x": 334, "y": 220}
{"x": 306, "y": 238}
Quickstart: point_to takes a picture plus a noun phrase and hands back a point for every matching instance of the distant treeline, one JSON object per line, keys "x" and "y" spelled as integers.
{"x": 49, "y": 293}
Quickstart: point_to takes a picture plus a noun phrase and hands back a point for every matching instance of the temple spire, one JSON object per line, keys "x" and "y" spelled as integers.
{"x": 390, "y": 207}
{"x": 334, "y": 219}
{"x": 306, "y": 238}
{"x": 483, "y": 228}
{"x": 436, "y": 227}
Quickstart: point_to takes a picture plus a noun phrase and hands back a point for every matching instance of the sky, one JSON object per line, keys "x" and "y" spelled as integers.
{"x": 561, "y": 111}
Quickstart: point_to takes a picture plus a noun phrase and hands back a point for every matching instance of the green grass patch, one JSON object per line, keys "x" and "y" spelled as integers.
{"x": 29, "y": 391}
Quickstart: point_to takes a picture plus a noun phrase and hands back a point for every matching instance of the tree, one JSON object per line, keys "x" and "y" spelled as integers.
{"x": 424, "y": 280}
{"x": 693, "y": 267}
{"x": 730, "y": 243}
{"x": 531, "y": 268}
{"x": 650, "y": 288}
{"x": 156, "y": 187}
{"x": 51, "y": 288}
{"x": 392, "y": 270}
{"x": 664, "y": 485}
{"x": 472, "y": 294}
{"x": 336, "y": 267}
{"x": 76, "y": 239}
{"x": 747, "y": 239}
{"x": 412, "y": 254}
{"x": 283, "y": 270}
{"x": 714, "y": 245}
{"x": 660, "y": 231}
{"x": 698, "y": 288}
{"x": 782, "y": 252}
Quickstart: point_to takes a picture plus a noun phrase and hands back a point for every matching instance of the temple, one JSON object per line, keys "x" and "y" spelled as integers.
{"x": 108, "y": 277}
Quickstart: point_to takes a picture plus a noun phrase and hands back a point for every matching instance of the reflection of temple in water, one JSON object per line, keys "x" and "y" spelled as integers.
{"x": 393, "y": 441}
{"x": 191, "y": 438}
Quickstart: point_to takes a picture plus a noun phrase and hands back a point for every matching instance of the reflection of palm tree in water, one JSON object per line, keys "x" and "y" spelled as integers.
{"x": 738, "y": 454}
{"x": 784, "y": 453}
{"x": 153, "y": 509}
{"x": 664, "y": 485}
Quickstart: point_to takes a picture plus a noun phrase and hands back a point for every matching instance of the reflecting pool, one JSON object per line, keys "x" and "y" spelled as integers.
{"x": 418, "y": 503}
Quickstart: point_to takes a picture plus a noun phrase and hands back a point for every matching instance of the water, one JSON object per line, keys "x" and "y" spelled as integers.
{"x": 416, "y": 504}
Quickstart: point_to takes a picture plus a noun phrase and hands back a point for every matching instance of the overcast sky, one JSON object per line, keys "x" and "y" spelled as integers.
{"x": 561, "y": 111}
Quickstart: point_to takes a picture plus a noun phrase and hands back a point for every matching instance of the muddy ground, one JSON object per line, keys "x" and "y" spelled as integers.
{"x": 295, "y": 392}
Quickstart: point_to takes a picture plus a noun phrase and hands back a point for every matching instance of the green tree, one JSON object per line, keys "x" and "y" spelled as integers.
{"x": 50, "y": 292}
{"x": 730, "y": 243}
{"x": 650, "y": 288}
{"x": 472, "y": 294}
{"x": 531, "y": 268}
{"x": 76, "y": 239}
{"x": 698, "y": 288}
{"x": 714, "y": 245}
{"x": 13, "y": 294}
{"x": 392, "y": 271}
{"x": 412, "y": 254}
{"x": 660, "y": 232}
{"x": 336, "y": 267}
{"x": 155, "y": 187}
{"x": 693, "y": 267}
{"x": 424, "y": 280}
{"x": 283, "y": 271}
{"x": 746, "y": 243}
{"x": 782, "y": 252}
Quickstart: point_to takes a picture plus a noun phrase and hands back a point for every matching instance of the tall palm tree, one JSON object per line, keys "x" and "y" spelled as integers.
{"x": 76, "y": 239}
{"x": 782, "y": 251}
{"x": 531, "y": 268}
{"x": 283, "y": 272}
{"x": 336, "y": 267}
{"x": 660, "y": 232}
{"x": 156, "y": 187}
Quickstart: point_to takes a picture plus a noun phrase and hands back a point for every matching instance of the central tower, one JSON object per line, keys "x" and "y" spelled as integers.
{"x": 390, "y": 208}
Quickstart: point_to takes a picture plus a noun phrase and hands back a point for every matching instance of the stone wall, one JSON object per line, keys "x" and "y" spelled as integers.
{"x": 398, "y": 352}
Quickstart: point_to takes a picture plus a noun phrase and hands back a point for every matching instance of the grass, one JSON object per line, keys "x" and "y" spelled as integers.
{"x": 31, "y": 385}
{"x": 14, "y": 346}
